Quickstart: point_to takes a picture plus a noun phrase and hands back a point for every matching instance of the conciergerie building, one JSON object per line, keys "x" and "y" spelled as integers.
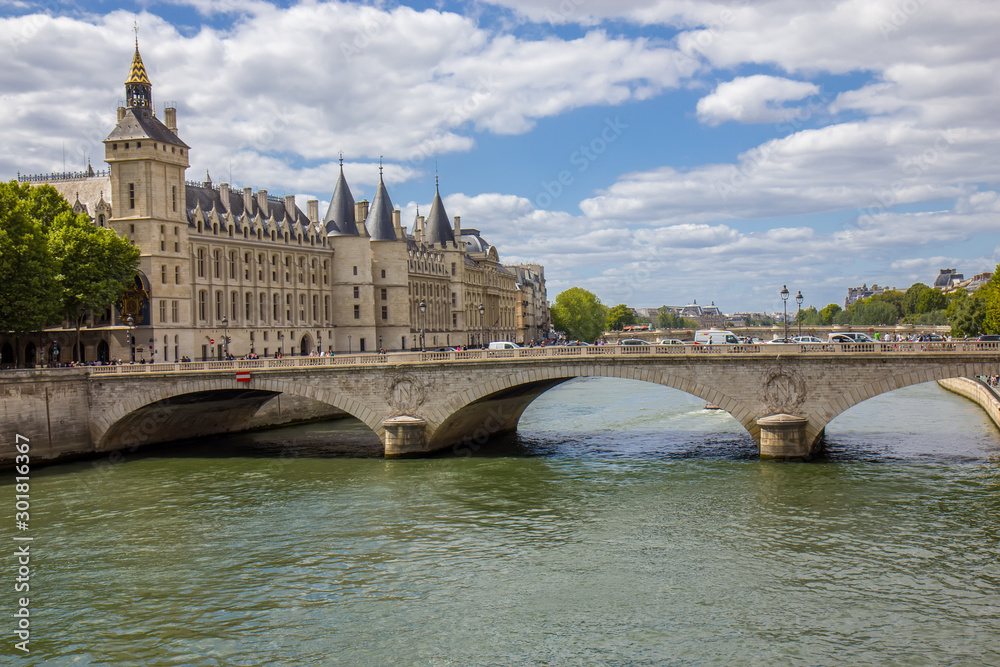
{"x": 218, "y": 261}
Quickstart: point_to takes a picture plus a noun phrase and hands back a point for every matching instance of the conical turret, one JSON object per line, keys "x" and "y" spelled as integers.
{"x": 379, "y": 222}
{"x": 339, "y": 218}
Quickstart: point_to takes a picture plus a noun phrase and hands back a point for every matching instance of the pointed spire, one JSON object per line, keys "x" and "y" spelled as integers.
{"x": 340, "y": 216}
{"x": 138, "y": 89}
{"x": 437, "y": 229}
{"x": 379, "y": 223}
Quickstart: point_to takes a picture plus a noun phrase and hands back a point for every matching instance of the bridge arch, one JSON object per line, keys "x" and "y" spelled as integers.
{"x": 495, "y": 406}
{"x": 826, "y": 412}
{"x": 169, "y": 410}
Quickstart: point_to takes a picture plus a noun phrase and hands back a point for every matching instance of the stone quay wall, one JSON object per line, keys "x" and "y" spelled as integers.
{"x": 975, "y": 391}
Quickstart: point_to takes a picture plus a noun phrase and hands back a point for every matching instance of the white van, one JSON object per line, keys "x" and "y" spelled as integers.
{"x": 504, "y": 345}
{"x": 715, "y": 337}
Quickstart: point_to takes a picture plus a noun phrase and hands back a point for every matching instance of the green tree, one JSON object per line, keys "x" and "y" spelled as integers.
{"x": 809, "y": 317}
{"x": 579, "y": 314}
{"x": 931, "y": 300}
{"x": 968, "y": 314}
{"x": 29, "y": 291}
{"x": 667, "y": 319}
{"x": 829, "y": 312}
{"x": 620, "y": 316}
{"x": 95, "y": 265}
{"x": 911, "y": 300}
{"x": 991, "y": 303}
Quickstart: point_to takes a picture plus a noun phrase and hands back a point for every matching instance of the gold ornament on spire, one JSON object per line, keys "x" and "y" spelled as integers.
{"x": 137, "y": 73}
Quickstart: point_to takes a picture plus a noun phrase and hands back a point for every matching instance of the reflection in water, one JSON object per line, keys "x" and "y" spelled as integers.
{"x": 623, "y": 525}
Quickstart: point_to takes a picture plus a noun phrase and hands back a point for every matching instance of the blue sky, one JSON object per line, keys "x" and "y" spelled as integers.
{"x": 652, "y": 151}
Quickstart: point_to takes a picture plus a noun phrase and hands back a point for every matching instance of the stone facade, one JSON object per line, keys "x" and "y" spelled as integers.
{"x": 218, "y": 263}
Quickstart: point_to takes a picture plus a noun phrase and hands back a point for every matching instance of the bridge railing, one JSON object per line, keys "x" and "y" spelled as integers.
{"x": 555, "y": 352}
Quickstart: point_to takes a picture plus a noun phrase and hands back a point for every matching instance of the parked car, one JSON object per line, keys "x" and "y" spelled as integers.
{"x": 672, "y": 341}
{"x": 850, "y": 337}
{"x": 806, "y": 339}
{"x": 443, "y": 349}
{"x": 634, "y": 341}
{"x": 504, "y": 345}
{"x": 778, "y": 340}
{"x": 929, "y": 338}
{"x": 989, "y": 338}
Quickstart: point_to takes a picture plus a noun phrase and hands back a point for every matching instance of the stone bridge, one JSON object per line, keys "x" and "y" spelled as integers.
{"x": 417, "y": 403}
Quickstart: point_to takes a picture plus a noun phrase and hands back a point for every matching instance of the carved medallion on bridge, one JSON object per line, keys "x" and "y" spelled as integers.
{"x": 406, "y": 393}
{"x": 784, "y": 390}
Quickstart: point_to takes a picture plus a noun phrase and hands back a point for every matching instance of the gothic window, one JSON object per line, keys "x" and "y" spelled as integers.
{"x": 201, "y": 262}
{"x": 163, "y": 311}
{"x": 233, "y": 302}
{"x": 232, "y": 265}
{"x": 216, "y": 258}
{"x": 173, "y": 311}
{"x": 248, "y": 306}
{"x": 276, "y": 305}
{"x": 218, "y": 305}
{"x": 263, "y": 307}
{"x": 202, "y": 304}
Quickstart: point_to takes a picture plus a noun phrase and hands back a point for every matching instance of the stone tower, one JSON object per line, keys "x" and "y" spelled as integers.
{"x": 147, "y": 164}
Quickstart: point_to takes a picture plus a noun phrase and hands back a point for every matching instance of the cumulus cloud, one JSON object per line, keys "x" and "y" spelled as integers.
{"x": 753, "y": 99}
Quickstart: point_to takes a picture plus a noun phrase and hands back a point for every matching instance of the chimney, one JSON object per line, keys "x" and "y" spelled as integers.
{"x": 248, "y": 199}
{"x": 360, "y": 215}
{"x": 121, "y": 113}
{"x": 418, "y": 229}
{"x": 170, "y": 118}
{"x": 224, "y": 195}
{"x": 313, "y": 206}
{"x": 458, "y": 228}
{"x": 396, "y": 224}
{"x": 290, "y": 207}
{"x": 262, "y": 202}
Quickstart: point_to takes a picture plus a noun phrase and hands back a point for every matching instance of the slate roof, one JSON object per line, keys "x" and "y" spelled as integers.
{"x": 209, "y": 198}
{"x": 379, "y": 223}
{"x": 340, "y": 217}
{"x": 437, "y": 229}
{"x": 140, "y": 123}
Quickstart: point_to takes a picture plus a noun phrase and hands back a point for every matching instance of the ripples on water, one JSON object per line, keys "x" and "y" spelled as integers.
{"x": 624, "y": 525}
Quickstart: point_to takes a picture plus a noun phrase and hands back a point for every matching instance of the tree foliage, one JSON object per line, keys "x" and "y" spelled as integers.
{"x": 667, "y": 319}
{"x": 55, "y": 264}
{"x": 29, "y": 292}
{"x": 579, "y": 314}
{"x": 619, "y": 317}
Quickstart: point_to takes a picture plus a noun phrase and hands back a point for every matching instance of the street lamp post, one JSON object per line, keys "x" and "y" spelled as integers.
{"x": 379, "y": 343}
{"x": 348, "y": 343}
{"x": 281, "y": 338}
{"x": 130, "y": 321}
{"x": 423, "y": 309}
{"x": 784, "y": 307}
{"x": 482, "y": 332}
{"x": 798, "y": 316}
{"x": 225, "y": 335}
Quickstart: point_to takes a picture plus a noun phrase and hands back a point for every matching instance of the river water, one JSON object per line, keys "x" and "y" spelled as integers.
{"x": 624, "y": 525}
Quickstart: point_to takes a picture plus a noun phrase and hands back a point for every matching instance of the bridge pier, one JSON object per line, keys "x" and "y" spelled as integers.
{"x": 405, "y": 436}
{"x": 783, "y": 436}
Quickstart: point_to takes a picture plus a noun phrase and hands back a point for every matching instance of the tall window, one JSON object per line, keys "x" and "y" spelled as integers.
{"x": 302, "y": 307}
{"x": 202, "y": 305}
{"x": 315, "y": 307}
{"x": 173, "y": 311}
{"x": 177, "y": 275}
{"x": 288, "y": 307}
{"x": 173, "y": 193}
{"x": 248, "y": 308}
{"x": 357, "y": 312}
{"x": 385, "y": 294}
{"x": 218, "y": 305}
{"x": 276, "y": 305}
{"x": 233, "y": 305}
{"x": 131, "y": 195}
{"x": 385, "y": 312}
{"x": 326, "y": 309}
{"x": 201, "y": 262}
{"x": 263, "y": 308}
{"x": 216, "y": 258}
{"x": 163, "y": 274}
{"x": 357, "y": 292}
{"x": 232, "y": 265}
{"x": 163, "y": 311}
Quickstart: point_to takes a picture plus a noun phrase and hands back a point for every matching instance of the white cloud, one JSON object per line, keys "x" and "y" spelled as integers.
{"x": 753, "y": 99}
